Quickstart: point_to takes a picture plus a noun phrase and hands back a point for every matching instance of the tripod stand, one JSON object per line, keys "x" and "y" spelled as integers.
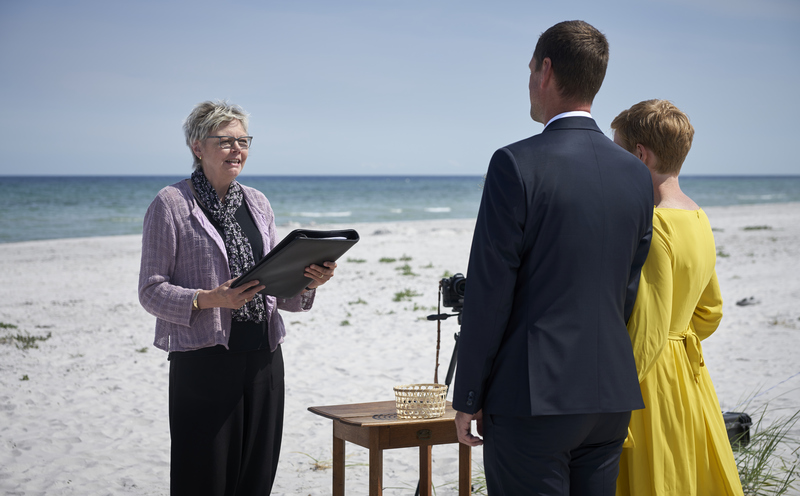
{"x": 454, "y": 357}
{"x": 452, "y": 367}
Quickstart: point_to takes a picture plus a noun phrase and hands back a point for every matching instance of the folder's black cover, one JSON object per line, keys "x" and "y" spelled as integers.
{"x": 281, "y": 270}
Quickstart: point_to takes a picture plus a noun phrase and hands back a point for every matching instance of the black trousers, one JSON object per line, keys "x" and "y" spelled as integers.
{"x": 554, "y": 454}
{"x": 226, "y": 422}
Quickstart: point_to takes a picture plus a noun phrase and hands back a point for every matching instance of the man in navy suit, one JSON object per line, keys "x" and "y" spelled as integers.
{"x": 545, "y": 364}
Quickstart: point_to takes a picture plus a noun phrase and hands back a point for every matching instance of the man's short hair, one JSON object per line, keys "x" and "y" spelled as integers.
{"x": 660, "y": 126}
{"x": 579, "y": 56}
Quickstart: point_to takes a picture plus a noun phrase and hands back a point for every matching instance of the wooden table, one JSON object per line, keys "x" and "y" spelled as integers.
{"x": 375, "y": 426}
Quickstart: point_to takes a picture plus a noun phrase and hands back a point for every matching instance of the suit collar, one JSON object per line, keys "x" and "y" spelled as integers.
{"x": 570, "y": 113}
{"x": 586, "y": 123}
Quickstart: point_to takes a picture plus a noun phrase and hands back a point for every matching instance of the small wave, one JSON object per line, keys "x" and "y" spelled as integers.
{"x": 760, "y": 197}
{"x": 125, "y": 220}
{"x": 438, "y": 210}
{"x": 324, "y": 214}
{"x": 396, "y": 210}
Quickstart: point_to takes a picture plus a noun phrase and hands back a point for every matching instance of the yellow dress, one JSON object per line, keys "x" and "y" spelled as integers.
{"x": 681, "y": 447}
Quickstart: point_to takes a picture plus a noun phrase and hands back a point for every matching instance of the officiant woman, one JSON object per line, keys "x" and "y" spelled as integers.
{"x": 226, "y": 390}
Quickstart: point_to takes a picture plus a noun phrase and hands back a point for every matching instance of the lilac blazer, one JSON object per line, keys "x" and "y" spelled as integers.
{"x": 183, "y": 252}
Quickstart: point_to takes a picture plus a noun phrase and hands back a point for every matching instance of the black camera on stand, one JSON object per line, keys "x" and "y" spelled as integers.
{"x": 452, "y": 291}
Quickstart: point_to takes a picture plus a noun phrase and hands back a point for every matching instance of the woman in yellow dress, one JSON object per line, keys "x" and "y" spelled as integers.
{"x": 678, "y": 444}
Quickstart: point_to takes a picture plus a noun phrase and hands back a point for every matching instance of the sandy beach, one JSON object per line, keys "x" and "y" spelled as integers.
{"x": 85, "y": 413}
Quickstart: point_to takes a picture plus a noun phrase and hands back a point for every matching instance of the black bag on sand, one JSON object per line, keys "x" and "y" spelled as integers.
{"x": 738, "y": 426}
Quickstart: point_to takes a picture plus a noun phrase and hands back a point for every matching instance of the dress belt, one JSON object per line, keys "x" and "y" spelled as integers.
{"x": 693, "y": 350}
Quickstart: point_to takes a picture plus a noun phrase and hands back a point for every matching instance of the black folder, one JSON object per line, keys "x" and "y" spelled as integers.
{"x": 281, "y": 270}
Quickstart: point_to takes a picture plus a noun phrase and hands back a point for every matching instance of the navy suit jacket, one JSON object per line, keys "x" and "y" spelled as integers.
{"x": 563, "y": 230}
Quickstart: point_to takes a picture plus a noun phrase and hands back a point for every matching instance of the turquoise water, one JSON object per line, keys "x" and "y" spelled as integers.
{"x": 49, "y": 207}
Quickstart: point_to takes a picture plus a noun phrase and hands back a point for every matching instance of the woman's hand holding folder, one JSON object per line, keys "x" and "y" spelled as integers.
{"x": 320, "y": 275}
{"x": 224, "y": 296}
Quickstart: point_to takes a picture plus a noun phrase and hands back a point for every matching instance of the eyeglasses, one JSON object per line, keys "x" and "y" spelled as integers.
{"x": 226, "y": 142}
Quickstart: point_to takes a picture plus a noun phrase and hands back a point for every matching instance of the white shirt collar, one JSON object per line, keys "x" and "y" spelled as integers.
{"x": 571, "y": 113}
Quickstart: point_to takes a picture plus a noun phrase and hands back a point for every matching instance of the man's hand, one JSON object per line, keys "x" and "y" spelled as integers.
{"x": 464, "y": 428}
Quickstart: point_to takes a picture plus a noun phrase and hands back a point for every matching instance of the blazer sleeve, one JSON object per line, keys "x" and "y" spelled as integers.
{"x": 157, "y": 294}
{"x": 649, "y": 322}
{"x": 639, "y": 257}
{"x": 491, "y": 279}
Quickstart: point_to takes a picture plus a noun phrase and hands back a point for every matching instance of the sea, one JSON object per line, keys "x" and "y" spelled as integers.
{"x": 52, "y": 207}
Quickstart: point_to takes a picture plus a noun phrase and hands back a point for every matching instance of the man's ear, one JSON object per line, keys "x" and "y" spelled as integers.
{"x": 547, "y": 72}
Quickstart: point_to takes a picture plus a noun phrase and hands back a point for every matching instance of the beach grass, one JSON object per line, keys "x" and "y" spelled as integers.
{"x": 768, "y": 464}
{"x": 405, "y": 270}
{"x": 325, "y": 464}
{"x": 405, "y": 295}
{"x": 23, "y": 341}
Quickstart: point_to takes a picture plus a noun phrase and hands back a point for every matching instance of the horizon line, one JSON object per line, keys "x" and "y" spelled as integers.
{"x": 761, "y": 175}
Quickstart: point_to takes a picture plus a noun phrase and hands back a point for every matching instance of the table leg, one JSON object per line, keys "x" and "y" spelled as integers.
{"x": 464, "y": 470}
{"x": 375, "y": 466}
{"x": 425, "y": 469}
{"x": 338, "y": 466}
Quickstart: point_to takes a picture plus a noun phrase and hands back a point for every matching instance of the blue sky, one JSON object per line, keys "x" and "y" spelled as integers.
{"x": 415, "y": 87}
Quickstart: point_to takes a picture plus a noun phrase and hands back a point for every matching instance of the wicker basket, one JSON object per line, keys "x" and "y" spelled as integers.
{"x": 420, "y": 401}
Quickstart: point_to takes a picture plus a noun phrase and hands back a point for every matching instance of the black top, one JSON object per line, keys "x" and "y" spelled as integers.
{"x": 248, "y": 335}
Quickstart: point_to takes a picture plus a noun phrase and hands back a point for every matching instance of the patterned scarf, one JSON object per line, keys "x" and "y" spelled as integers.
{"x": 240, "y": 253}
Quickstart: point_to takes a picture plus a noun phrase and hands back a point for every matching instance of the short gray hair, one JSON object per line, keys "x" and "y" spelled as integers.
{"x": 207, "y": 116}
